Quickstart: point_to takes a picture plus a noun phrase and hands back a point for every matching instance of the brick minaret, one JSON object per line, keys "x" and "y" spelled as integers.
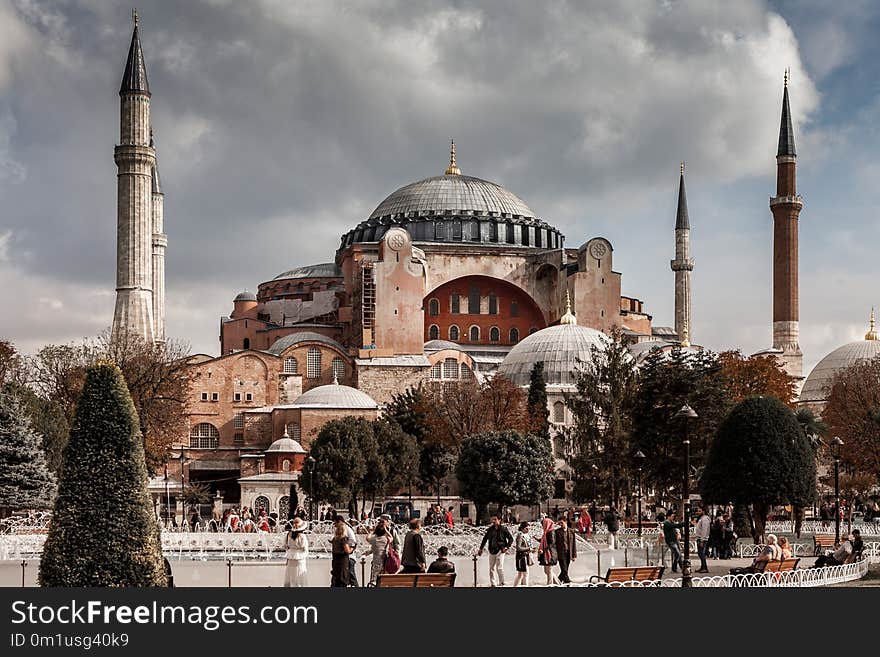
{"x": 683, "y": 265}
{"x": 160, "y": 242}
{"x": 786, "y": 206}
{"x": 135, "y": 160}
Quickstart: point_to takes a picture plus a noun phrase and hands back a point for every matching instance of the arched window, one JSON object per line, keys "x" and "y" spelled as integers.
{"x": 493, "y": 231}
{"x": 514, "y": 309}
{"x": 261, "y": 503}
{"x": 437, "y": 370}
{"x": 474, "y": 300}
{"x": 456, "y": 230}
{"x": 285, "y": 465}
{"x": 464, "y": 371}
{"x": 291, "y": 366}
{"x": 475, "y": 231}
{"x": 294, "y": 431}
{"x": 238, "y": 421}
{"x": 453, "y": 333}
{"x": 510, "y": 236}
{"x": 338, "y": 366}
{"x": 247, "y": 343}
{"x": 434, "y": 307}
{"x": 450, "y": 368}
{"x": 314, "y": 363}
{"x": 559, "y": 412}
{"x": 514, "y": 336}
{"x": 493, "y": 304}
{"x": 204, "y": 436}
{"x": 434, "y": 332}
{"x": 455, "y": 304}
{"x": 284, "y": 507}
{"x": 494, "y": 334}
{"x": 475, "y": 334}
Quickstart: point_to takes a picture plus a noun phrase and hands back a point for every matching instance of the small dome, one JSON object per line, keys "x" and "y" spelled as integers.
{"x": 440, "y": 345}
{"x": 246, "y": 296}
{"x": 335, "y": 396}
{"x": 323, "y": 270}
{"x": 558, "y": 347}
{"x": 818, "y": 383}
{"x": 286, "y": 445}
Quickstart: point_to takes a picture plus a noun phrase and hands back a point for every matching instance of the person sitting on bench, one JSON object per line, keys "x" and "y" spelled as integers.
{"x": 442, "y": 564}
{"x": 838, "y": 557}
{"x": 769, "y": 552}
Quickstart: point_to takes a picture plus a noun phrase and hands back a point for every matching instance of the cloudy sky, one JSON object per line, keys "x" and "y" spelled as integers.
{"x": 281, "y": 124}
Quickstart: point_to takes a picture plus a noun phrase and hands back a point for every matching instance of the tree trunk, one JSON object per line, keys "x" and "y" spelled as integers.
{"x": 760, "y": 519}
{"x": 752, "y": 530}
{"x": 482, "y": 512}
{"x": 798, "y": 512}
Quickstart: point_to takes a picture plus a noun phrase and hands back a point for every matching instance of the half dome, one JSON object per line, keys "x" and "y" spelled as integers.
{"x": 335, "y": 395}
{"x": 287, "y": 446}
{"x": 561, "y": 348}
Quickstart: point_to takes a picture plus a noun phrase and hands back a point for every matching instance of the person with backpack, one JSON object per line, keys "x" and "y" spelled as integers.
{"x": 612, "y": 522}
{"x": 499, "y": 539}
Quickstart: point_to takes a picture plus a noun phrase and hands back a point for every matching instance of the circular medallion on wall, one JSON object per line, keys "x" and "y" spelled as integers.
{"x": 396, "y": 239}
{"x": 598, "y": 250}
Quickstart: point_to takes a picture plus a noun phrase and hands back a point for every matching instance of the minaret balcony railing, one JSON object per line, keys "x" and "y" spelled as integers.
{"x": 786, "y": 200}
{"x": 682, "y": 265}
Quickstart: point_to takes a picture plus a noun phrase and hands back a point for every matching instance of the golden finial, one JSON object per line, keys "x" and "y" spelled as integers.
{"x": 452, "y": 169}
{"x": 568, "y": 318}
{"x": 134, "y": 16}
{"x": 286, "y": 435}
{"x": 681, "y": 167}
{"x": 787, "y": 75}
{"x": 872, "y": 332}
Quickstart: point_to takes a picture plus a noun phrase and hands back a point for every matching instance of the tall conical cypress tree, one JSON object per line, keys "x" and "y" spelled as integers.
{"x": 103, "y": 532}
{"x": 25, "y": 479}
{"x": 537, "y": 403}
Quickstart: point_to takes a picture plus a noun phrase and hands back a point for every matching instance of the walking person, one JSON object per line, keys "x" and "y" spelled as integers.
{"x": 547, "y": 551}
{"x": 585, "y": 523}
{"x": 522, "y": 543}
{"x": 670, "y": 535}
{"x": 413, "y": 557}
{"x": 701, "y": 533}
{"x": 499, "y": 539}
{"x": 297, "y": 545}
{"x": 566, "y": 549}
{"x": 340, "y": 551}
{"x": 612, "y": 522}
{"x": 379, "y": 542}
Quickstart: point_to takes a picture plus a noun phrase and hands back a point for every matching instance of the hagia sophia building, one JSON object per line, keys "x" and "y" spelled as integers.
{"x": 449, "y": 277}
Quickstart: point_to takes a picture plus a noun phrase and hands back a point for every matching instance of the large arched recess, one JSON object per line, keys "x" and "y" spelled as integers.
{"x": 514, "y": 309}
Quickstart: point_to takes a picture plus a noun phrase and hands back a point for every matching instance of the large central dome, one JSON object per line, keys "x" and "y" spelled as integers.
{"x": 455, "y": 193}
{"x": 456, "y": 208}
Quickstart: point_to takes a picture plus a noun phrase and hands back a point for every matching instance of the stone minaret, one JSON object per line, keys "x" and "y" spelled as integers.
{"x": 786, "y": 206}
{"x": 135, "y": 161}
{"x": 160, "y": 241}
{"x": 683, "y": 265}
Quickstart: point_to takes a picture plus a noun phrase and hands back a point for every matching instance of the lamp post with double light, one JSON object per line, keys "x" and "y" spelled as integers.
{"x": 639, "y": 458}
{"x": 685, "y": 414}
{"x": 836, "y": 444}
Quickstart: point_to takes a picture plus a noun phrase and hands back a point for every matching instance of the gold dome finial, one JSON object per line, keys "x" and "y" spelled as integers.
{"x": 872, "y": 332}
{"x": 568, "y": 318}
{"x": 682, "y": 167}
{"x": 452, "y": 169}
{"x": 286, "y": 434}
{"x": 134, "y": 16}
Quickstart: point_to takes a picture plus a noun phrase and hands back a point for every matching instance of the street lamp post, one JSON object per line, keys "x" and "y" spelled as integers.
{"x": 639, "y": 458}
{"x": 686, "y": 413}
{"x": 836, "y": 444}
{"x": 595, "y": 470}
{"x": 182, "y": 458}
{"x": 310, "y": 464}
{"x": 167, "y": 497}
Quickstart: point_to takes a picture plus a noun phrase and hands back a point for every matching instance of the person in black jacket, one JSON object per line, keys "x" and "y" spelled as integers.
{"x": 413, "y": 557}
{"x": 566, "y": 549}
{"x": 612, "y": 522}
{"x": 499, "y": 539}
{"x": 442, "y": 564}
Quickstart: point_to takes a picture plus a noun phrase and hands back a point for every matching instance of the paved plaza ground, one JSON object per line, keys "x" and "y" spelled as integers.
{"x": 189, "y": 573}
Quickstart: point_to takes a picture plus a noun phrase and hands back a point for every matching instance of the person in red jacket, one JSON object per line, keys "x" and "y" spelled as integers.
{"x": 449, "y": 521}
{"x": 585, "y": 523}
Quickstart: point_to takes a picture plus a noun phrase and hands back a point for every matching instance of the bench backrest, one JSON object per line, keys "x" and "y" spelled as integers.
{"x": 417, "y": 580}
{"x": 824, "y": 540}
{"x": 638, "y": 574}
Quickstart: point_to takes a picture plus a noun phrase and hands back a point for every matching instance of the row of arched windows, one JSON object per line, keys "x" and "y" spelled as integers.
{"x": 450, "y": 369}
{"x": 473, "y": 304}
{"x": 473, "y": 334}
{"x": 313, "y": 365}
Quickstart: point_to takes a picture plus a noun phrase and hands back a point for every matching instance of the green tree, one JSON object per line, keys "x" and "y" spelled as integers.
{"x": 506, "y": 468}
{"x": 48, "y": 420}
{"x": 103, "y": 532}
{"x": 538, "y": 411}
{"x": 601, "y": 408}
{"x": 25, "y": 479}
{"x": 408, "y": 410}
{"x": 668, "y": 381}
{"x": 436, "y": 462}
{"x": 399, "y": 452}
{"x": 760, "y": 457}
{"x": 339, "y": 463}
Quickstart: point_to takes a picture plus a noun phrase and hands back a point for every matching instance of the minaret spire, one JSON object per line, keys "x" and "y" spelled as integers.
{"x": 872, "y": 331}
{"x": 568, "y": 318}
{"x": 683, "y": 265}
{"x": 786, "y": 207}
{"x": 452, "y": 169}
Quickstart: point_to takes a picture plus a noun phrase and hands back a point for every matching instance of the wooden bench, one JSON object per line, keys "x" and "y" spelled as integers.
{"x": 635, "y": 574}
{"x": 416, "y": 580}
{"x": 781, "y": 566}
{"x": 821, "y": 542}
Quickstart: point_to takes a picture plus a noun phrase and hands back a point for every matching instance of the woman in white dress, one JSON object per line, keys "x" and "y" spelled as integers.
{"x": 379, "y": 541}
{"x": 297, "y": 554}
